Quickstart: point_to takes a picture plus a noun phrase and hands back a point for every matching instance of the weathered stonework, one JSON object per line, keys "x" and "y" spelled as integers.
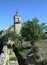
{"x": 17, "y": 23}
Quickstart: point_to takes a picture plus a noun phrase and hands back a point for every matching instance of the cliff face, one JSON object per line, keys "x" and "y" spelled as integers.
{"x": 8, "y": 57}
{"x": 4, "y": 57}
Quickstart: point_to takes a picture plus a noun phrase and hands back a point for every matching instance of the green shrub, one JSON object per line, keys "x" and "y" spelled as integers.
{"x": 13, "y": 58}
{"x": 9, "y": 46}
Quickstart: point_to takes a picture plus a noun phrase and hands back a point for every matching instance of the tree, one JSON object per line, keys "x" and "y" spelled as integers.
{"x": 32, "y": 30}
{"x": 1, "y": 32}
{"x": 44, "y": 28}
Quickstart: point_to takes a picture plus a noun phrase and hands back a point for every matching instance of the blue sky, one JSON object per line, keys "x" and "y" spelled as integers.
{"x": 28, "y": 9}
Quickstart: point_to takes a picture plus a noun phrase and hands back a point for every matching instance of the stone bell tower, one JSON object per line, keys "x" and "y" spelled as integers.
{"x": 17, "y": 23}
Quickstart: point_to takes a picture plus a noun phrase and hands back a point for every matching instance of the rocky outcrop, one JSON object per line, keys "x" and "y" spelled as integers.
{"x": 4, "y": 57}
{"x": 8, "y": 57}
{"x": 21, "y": 60}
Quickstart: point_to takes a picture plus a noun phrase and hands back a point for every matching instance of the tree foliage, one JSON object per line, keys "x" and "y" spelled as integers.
{"x": 32, "y": 30}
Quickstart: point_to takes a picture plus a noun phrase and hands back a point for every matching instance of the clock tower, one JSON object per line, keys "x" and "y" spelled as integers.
{"x": 17, "y": 23}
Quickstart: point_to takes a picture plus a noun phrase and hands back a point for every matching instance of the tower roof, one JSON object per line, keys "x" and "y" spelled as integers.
{"x": 17, "y": 14}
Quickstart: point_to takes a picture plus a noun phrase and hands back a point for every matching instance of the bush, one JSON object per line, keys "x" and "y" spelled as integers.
{"x": 9, "y": 46}
{"x": 13, "y": 58}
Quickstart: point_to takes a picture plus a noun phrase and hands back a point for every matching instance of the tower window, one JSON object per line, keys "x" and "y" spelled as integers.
{"x": 18, "y": 20}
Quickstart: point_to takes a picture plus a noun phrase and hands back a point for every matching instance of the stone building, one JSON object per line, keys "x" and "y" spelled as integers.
{"x": 17, "y": 23}
{"x": 16, "y": 27}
